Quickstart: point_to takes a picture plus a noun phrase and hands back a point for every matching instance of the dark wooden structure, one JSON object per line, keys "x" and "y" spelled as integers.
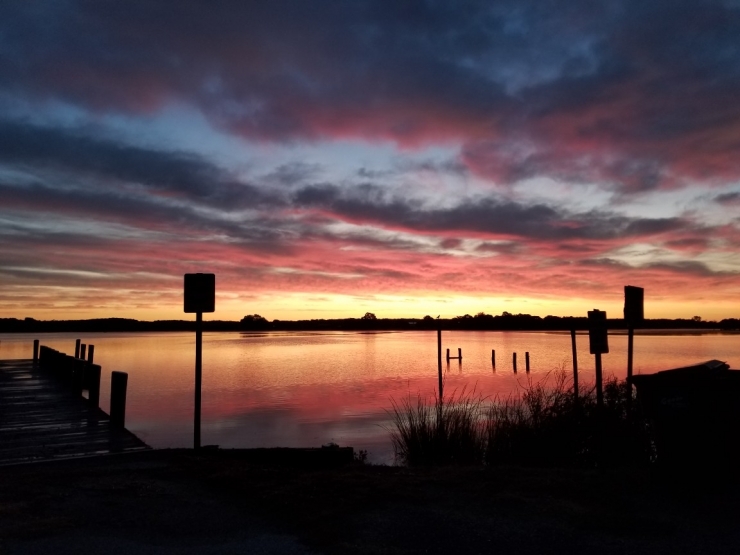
{"x": 43, "y": 414}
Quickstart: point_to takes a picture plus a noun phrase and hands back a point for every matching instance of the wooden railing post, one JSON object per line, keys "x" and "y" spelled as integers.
{"x": 90, "y": 354}
{"x": 93, "y": 385}
{"x": 77, "y": 348}
{"x": 35, "y": 352}
{"x": 83, "y": 349}
{"x": 118, "y": 384}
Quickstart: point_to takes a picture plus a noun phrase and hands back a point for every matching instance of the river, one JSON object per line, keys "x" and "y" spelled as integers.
{"x": 312, "y": 388}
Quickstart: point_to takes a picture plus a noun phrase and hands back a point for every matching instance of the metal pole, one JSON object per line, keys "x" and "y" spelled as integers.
{"x": 630, "y": 347}
{"x": 439, "y": 358}
{"x": 575, "y": 363}
{"x": 198, "y": 376}
{"x": 599, "y": 385}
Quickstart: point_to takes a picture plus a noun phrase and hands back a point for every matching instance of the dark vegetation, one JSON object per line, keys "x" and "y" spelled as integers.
{"x": 544, "y": 426}
{"x": 368, "y": 322}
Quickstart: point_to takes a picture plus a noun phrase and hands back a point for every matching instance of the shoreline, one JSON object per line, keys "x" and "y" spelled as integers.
{"x": 179, "y": 501}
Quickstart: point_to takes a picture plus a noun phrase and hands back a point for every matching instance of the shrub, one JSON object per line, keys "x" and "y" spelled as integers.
{"x": 544, "y": 425}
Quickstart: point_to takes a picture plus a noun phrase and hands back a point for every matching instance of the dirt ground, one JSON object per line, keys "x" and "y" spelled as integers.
{"x": 177, "y": 502}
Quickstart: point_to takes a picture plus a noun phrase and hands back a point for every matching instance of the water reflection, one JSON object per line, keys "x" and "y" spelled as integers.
{"x": 307, "y": 389}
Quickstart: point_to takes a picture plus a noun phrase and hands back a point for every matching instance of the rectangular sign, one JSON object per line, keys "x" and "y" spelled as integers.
{"x": 200, "y": 292}
{"x": 633, "y": 304}
{"x": 597, "y": 334}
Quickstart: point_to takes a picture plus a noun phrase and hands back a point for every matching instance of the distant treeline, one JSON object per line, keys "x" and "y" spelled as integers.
{"x": 255, "y": 322}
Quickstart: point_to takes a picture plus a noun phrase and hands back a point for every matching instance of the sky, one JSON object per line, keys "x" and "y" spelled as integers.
{"x": 329, "y": 158}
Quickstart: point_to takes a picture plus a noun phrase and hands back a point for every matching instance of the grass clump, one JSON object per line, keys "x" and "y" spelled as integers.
{"x": 545, "y": 425}
{"x": 445, "y": 431}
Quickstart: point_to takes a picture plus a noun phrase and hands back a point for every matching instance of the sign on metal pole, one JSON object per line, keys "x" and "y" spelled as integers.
{"x": 597, "y": 336}
{"x": 200, "y": 293}
{"x": 200, "y": 297}
{"x": 634, "y": 312}
{"x": 598, "y": 344}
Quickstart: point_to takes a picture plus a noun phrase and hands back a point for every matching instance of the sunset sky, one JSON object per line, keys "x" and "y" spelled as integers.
{"x": 329, "y": 158}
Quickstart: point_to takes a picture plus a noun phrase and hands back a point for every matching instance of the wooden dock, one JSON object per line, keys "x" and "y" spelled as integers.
{"x": 41, "y": 419}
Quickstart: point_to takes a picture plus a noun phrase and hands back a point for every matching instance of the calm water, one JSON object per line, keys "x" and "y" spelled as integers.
{"x": 308, "y": 389}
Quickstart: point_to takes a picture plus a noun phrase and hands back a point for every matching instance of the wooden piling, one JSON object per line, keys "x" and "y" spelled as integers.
{"x": 448, "y": 355}
{"x": 575, "y": 363}
{"x": 77, "y": 348}
{"x": 459, "y": 354}
{"x": 118, "y": 384}
{"x": 526, "y": 360}
{"x": 493, "y": 357}
{"x": 91, "y": 354}
{"x": 35, "y": 352}
{"x": 83, "y": 350}
{"x": 514, "y": 361}
{"x": 93, "y": 384}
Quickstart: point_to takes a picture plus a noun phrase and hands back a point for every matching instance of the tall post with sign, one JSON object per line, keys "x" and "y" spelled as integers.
{"x": 200, "y": 297}
{"x": 598, "y": 345}
{"x": 633, "y": 316}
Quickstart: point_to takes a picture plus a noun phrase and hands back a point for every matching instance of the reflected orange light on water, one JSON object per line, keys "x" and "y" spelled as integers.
{"x": 308, "y": 389}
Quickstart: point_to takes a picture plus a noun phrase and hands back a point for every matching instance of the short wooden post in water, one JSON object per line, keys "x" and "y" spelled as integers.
{"x": 91, "y": 354}
{"x": 514, "y": 360}
{"x": 118, "y": 384}
{"x": 493, "y": 357}
{"x": 93, "y": 385}
{"x": 526, "y": 360}
{"x": 575, "y": 363}
{"x": 35, "y": 352}
{"x": 448, "y": 355}
{"x": 83, "y": 351}
{"x": 459, "y": 354}
{"x": 77, "y": 348}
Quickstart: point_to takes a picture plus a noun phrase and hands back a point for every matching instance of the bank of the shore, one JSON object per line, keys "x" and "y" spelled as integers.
{"x": 177, "y": 502}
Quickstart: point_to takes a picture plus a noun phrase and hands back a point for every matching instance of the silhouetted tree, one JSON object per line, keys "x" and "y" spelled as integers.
{"x": 369, "y": 316}
{"x": 254, "y": 322}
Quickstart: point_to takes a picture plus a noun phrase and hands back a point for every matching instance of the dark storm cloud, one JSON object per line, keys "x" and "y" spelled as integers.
{"x": 637, "y": 94}
{"x": 178, "y": 174}
{"x": 687, "y": 267}
{"x": 728, "y": 199}
{"x": 486, "y": 215}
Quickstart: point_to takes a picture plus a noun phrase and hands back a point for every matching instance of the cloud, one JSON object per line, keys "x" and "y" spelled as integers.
{"x": 632, "y": 94}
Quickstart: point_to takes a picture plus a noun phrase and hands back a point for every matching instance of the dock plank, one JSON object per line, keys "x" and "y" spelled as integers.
{"x": 41, "y": 419}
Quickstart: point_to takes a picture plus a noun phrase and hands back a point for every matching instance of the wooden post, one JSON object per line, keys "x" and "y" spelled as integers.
{"x": 526, "y": 360}
{"x": 77, "y": 375}
{"x": 575, "y": 363}
{"x": 514, "y": 360}
{"x": 77, "y": 348}
{"x": 118, "y": 384}
{"x": 459, "y": 354}
{"x": 198, "y": 376}
{"x": 35, "y": 352}
{"x": 439, "y": 358}
{"x": 83, "y": 349}
{"x": 93, "y": 385}
{"x": 448, "y": 355}
{"x": 493, "y": 357}
{"x": 90, "y": 354}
